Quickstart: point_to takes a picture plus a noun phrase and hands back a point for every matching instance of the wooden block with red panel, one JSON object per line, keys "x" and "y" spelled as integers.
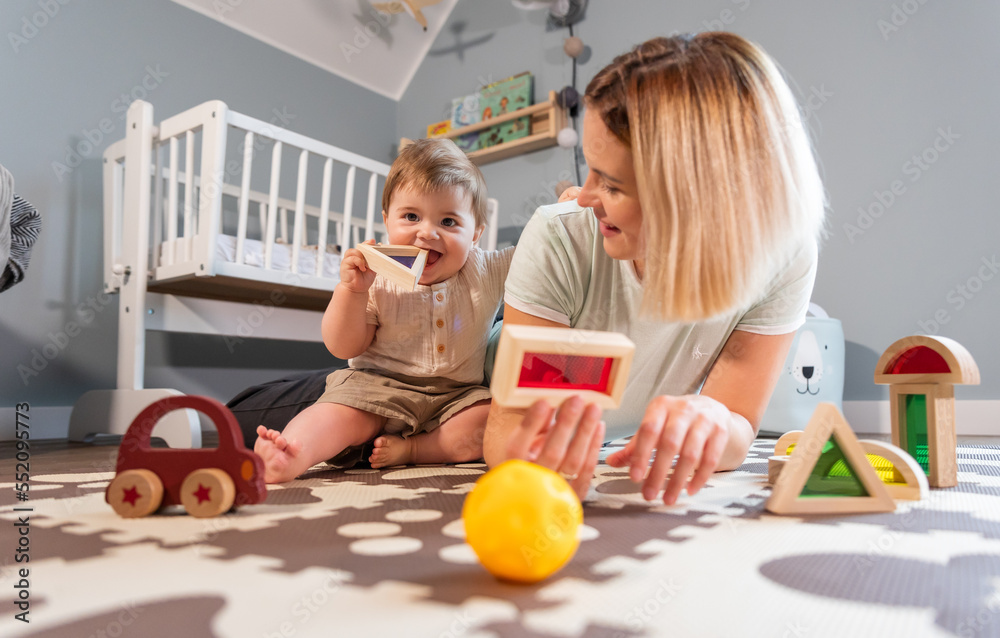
{"x": 536, "y": 362}
{"x": 921, "y": 372}
{"x": 206, "y": 481}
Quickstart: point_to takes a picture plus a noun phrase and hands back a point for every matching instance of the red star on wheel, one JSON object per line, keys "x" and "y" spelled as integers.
{"x": 131, "y": 495}
{"x": 203, "y": 493}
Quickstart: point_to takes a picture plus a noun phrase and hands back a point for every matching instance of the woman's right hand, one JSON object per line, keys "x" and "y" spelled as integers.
{"x": 569, "y": 443}
{"x": 355, "y": 274}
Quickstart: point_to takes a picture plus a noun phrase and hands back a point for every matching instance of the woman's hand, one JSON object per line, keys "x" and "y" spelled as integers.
{"x": 355, "y": 275}
{"x": 694, "y": 429}
{"x": 568, "y": 444}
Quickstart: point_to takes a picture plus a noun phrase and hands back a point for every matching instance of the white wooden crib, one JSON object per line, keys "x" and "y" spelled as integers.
{"x": 220, "y": 223}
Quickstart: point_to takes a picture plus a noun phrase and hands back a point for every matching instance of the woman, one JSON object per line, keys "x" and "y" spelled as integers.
{"x": 695, "y": 235}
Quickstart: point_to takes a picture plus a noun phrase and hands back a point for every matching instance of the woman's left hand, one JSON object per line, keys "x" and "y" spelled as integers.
{"x": 693, "y": 428}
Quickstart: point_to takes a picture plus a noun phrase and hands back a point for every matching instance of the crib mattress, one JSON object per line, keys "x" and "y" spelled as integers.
{"x": 246, "y": 288}
{"x": 281, "y": 256}
{"x": 174, "y": 251}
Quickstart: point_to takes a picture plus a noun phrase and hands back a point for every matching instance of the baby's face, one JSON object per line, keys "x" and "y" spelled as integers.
{"x": 440, "y": 222}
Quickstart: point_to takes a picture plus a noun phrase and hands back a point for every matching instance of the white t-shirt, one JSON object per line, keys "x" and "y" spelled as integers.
{"x": 439, "y": 330}
{"x": 560, "y": 272}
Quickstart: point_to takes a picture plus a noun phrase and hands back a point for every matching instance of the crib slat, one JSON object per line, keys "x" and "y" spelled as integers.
{"x": 241, "y": 224}
{"x": 272, "y": 207}
{"x": 283, "y": 224}
{"x": 324, "y": 217}
{"x": 298, "y": 230}
{"x": 157, "y": 196}
{"x": 172, "y": 193}
{"x": 188, "y": 192}
{"x": 345, "y": 240}
{"x": 370, "y": 213}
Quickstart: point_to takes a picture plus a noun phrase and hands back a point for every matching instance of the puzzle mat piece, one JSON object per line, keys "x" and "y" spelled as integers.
{"x": 259, "y": 600}
{"x": 603, "y": 599}
{"x": 613, "y": 489}
{"x": 517, "y": 630}
{"x": 151, "y": 620}
{"x": 373, "y": 542}
{"x": 649, "y": 547}
{"x": 963, "y": 591}
{"x": 339, "y": 492}
{"x": 423, "y": 547}
{"x": 675, "y": 591}
{"x": 56, "y": 486}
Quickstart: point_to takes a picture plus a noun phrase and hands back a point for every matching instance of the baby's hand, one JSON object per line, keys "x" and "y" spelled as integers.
{"x": 569, "y": 194}
{"x": 355, "y": 274}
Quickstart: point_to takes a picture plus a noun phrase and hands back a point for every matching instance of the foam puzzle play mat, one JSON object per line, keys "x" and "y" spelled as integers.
{"x": 382, "y": 552}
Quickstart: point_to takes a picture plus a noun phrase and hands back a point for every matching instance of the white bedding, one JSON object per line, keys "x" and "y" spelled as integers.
{"x": 253, "y": 255}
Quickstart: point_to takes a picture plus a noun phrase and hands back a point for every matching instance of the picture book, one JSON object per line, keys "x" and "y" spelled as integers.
{"x": 438, "y": 129}
{"x": 465, "y": 111}
{"x": 504, "y": 97}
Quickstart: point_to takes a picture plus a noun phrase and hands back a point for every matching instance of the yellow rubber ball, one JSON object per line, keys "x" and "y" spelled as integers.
{"x": 522, "y": 521}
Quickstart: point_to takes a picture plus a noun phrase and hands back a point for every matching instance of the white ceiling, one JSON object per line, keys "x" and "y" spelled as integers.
{"x": 345, "y": 37}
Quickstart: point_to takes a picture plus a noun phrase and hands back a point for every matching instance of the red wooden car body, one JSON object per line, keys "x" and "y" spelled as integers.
{"x": 207, "y": 481}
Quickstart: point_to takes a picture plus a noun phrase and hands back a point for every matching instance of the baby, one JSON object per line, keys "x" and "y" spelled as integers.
{"x": 415, "y": 373}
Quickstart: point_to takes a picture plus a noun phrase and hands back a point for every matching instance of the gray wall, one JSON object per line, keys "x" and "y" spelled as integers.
{"x": 878, "y": 100}
{"x": 899, "y": 94}
{"x": 60, "y": 84}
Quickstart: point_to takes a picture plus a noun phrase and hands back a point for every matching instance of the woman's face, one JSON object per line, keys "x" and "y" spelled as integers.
{"x": 611, "y": 190}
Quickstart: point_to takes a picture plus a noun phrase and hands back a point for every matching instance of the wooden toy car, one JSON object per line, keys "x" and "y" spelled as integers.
{"x": 206, "y": 481}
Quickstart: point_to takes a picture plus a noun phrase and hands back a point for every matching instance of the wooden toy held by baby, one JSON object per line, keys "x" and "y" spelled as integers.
{"x": 401, "y": 264}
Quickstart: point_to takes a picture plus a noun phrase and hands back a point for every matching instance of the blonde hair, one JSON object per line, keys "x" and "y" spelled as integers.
{"x": 433, "y": 164}
{"x": 727, "y": 181}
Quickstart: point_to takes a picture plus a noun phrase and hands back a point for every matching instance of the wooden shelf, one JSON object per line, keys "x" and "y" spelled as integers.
{"x": 547, "y": 119}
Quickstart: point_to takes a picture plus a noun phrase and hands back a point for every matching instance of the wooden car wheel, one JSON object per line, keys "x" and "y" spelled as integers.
{"x": 135, "y": 493}
{"x": 207, "y": 492}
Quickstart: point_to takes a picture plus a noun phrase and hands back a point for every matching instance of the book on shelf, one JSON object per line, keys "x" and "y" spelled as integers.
{"x": 438, "y": 129}
{"x": 465, "y": 111}
{"x": 503, "y": 97}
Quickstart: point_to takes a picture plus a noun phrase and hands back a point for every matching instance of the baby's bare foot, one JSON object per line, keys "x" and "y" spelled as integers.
{"x": 391, "y": 450}
{"x": 279, "y": 455}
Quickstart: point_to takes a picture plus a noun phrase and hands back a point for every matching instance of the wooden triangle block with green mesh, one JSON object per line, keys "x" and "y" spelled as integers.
{"x": 829, "y": 473}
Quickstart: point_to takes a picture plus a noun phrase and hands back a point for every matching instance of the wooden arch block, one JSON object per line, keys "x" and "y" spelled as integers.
{"x": 911, "y": 482}
{"x": 921, "y": 371}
